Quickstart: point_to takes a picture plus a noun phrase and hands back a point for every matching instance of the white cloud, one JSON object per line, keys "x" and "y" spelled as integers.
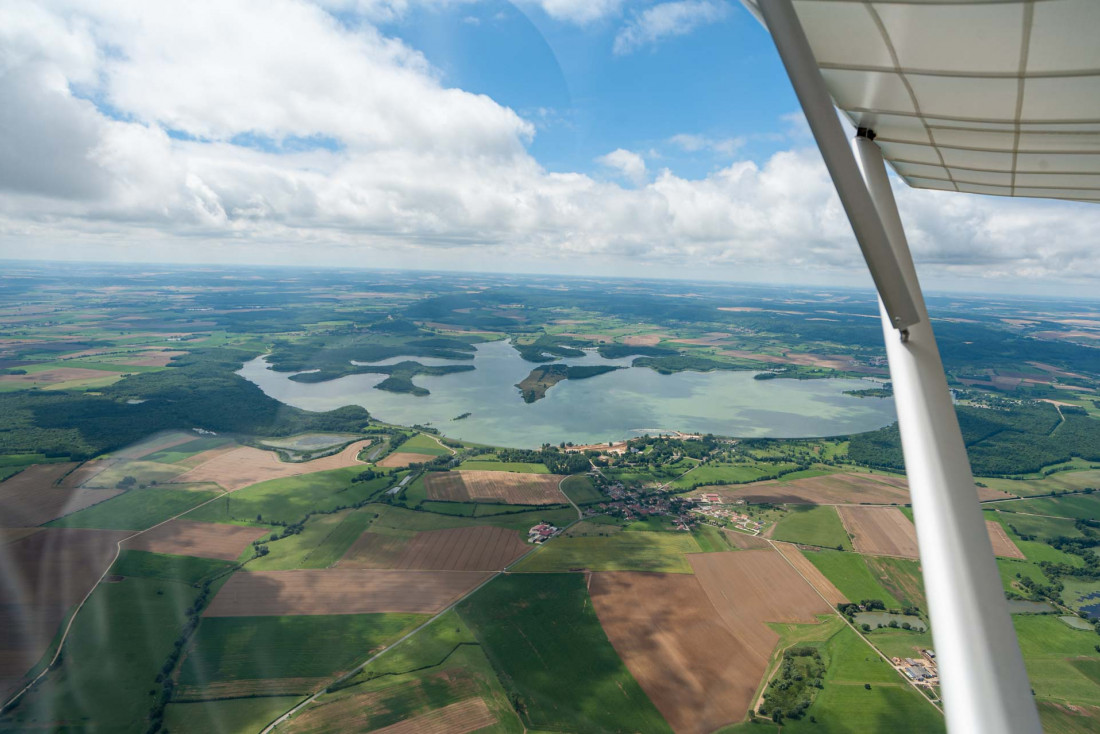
{"x": 580, "y": 12}
{"x": 626, "y": 163}
{"x": 666, "y": 20}
{"x": 415, "y": 170}
{"x": 696, "y": 143}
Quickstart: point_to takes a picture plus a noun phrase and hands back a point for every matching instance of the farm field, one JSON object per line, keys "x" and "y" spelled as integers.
{"x": 577, "y": 681}
{"x": 625, "y": 551}
{"x": 744, "y": 541}
{"x": 1063, "y": 719}
{"x": 808, "y": 525}
{"x": 664, "y": 627}
{"x": 33, "y": 497}
{"x": 850, "y": 574}
{"x": 136, "y": 509}
{"x": 1077, "y": 506}
{"x": 830, "y": 489}
{"x": 812, "y": 574}
{"x": 513, "y": 488}
{"x": 424, "y": 444}
{"x": 185, "y": 569}
{"x": 491, "y": 463}
{"x": 340, "y": 591}
{"x": 247, "y": 656}
{"x": 479, "y": 548}
{"x": 580, "y": 489}
{"x": 320, "y": 544}
{"x": 188, "y": 538}
{"x": 114, "y": 652}
{"x": 1002, "y": 544}
{"x": 46, "y": 573}
{"x": 245, "y": 466}
{"x": 226, "y": 716}
{"x": 881, "y": 531}
{"x": 1064, "y": 481}
{"x": 1060, "y": 661}
{"x": 900, "y": 577}
{"x": 401, "y": 459}
{"x": 1043, "y": 528}
{"x": 291, "y": 499}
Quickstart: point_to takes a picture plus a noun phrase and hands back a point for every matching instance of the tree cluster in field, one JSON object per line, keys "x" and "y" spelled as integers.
{"x": 791, "y": 692}
{"x": 553, "y": 458}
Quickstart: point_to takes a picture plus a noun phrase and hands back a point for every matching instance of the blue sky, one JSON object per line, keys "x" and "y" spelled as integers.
{"x": 723, "y": 81}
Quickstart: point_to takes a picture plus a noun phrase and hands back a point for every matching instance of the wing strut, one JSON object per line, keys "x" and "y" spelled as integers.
{"x": 983, "y": 681}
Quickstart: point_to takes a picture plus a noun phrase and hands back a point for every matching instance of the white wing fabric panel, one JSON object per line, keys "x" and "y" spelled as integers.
{"x": 982, "y": 96}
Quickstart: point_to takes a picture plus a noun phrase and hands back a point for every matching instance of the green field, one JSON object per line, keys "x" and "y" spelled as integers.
{"x": 138, "y": 509}
{"x": 845, "y": 705}
{"x": 1078, "y": 506}
{"x": 850, "y": 574}
{"x": 226, "y": 716}
{"x": 899, "y": 642}
{"x": 186, "y": 569}
{"x": 1050, "y": 650}
{"x": 478, "y": 463}
{"x": 545, "y": 642}
{"x": 1063, "y": 481}
{"x": 709, "y": 474}
{"x": 291, "y": 498}
{"x": 1041, "y": 527}
{"x": 1076, "y": 592}
{"x": 421, "y": 444}
{"x": 711, "y": 539}
{"x": 901, "y": 578}
{"x": 307, "y": 646}
{"x": 580, "y": 489}
{"x": 625, "y": 551}
{"x": 115, "y": 650}
{"x": 1033, "y": 550}
{"x": 1058, "y": 719}
{"x": 323, "y": 540}
{"x": 810, "y": 525}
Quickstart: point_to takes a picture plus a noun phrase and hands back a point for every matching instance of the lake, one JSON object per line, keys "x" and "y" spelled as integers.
{"x": 621, "y": 404}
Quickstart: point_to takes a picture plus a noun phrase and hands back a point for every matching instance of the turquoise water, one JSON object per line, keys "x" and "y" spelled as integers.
{"x": 616, "y": 405}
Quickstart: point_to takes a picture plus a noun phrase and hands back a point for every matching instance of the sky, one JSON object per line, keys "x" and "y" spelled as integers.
{"x": 647, "y": 138}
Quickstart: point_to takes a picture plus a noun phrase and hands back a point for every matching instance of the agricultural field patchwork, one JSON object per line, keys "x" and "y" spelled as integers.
{"x": 478, "y": 548}
{"x": 34, "y": 496}
{"x": 808, "y": 525}
{"x": 245, "y": 466}
{"x": 188, "y": 538}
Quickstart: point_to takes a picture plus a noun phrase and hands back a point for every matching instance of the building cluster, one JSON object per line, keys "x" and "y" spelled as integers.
{"x": 541, "y": 533}
{"x": 922, "y": 670}
{"x": 710, "y": 504}
{"x": 633, "y": 504}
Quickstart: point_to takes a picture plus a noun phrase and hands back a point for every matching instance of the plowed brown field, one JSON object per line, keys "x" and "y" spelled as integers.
{"x": 697, "y": 674}
{"x": 698, "y": 645}
{"x": 402, "y": 459}
{"x": 44, "y": 575}
{"x": 885, "y": 531}
{"x": 481, "y": 548}
{"x": 340, "y": 591}
{"x": 512, "y": 488}
{"x": 811, "y": 573}
{"x": 457, "y": 718}
{"x": 202, "y": 539}
{"x": 245, "y": 466}
{"x": 845, "y": 488}
{"x": 1002, "y": 544}
{"x": 57, "y": 375}
{"x": 880, "y": 531}
{"x": 32, "y": 496}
